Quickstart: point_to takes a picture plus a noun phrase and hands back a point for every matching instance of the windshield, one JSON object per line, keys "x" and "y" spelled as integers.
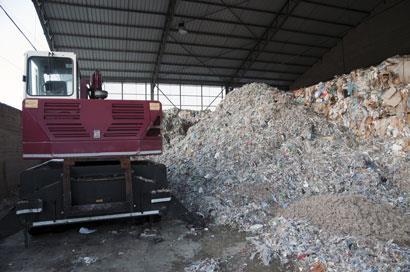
{"x": 50, "y": 76}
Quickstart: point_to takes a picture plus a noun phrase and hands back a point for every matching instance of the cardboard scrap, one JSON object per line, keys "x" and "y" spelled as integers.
{"x": 388, "y": 93}
{"x": 364, "y": 99}
{"x": 394, "y": 100}
{"x": 400, "y": 67}
{"x": 406, "y": 146}
{"x": 318, "y": 267}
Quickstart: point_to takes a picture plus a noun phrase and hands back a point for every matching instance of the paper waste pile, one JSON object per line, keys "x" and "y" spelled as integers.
{"x": 262, "y": 152}
{"x": 176, "y": 123}
{"x": 371, "y": 102}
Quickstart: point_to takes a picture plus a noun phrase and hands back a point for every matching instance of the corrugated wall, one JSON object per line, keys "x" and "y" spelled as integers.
{"x": 383, "y": 36}
{"x": 11, "y": 163}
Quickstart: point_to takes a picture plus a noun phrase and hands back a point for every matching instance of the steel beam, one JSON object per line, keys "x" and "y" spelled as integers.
{"x": 168, "y": 73}
{"x": 161, "y": 80}
{"x": 238, "y": 18}
{"x": 44, "y": 21}
{"x": 104, "y": 23}
{"x": 180, "y": 96}
{"x": 264, "y": 39}
{"x": 214, "y": 20}
{"x": 194, "y": 32}
{"x": 199, "y": 60}
{"x": 179, "y": 55}
{"x": 329, "y": 5}
{"x": 202, "y": 98}
{"x": 184, "y": 43}
{"x": 164, "y": 38}
{"x": 198, "y": 44}
{"x": 220, "y": 93}
{"x": 188, "y": 17}
{"x": 188, "y": 65}
{"x": 266, "y": 11}
{"x": 179, "y": 81}
{"x": 116, "y": 38}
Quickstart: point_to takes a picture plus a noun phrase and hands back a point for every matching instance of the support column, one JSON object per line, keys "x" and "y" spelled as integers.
{"x": 227, "y": 89}
{"x": 180, "y": 96}
{"x": 202, "y": 99}
{"x": 152, "y": 91}
{"x": 122, "y": 90}
{"x": 164, "y": 37}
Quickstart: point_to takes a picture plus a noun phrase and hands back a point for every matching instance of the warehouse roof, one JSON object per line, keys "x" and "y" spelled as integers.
{"x": 228, "y": 42}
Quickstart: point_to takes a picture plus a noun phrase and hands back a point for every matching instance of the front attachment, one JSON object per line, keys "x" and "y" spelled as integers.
{"x": 73, "y": 191}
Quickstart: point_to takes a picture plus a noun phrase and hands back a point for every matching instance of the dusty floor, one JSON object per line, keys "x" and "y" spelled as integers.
{"x": 124, "y": 246}
{"x": 354, "y": 215}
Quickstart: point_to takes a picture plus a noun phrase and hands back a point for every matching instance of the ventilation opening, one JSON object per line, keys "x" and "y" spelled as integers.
{"x": 67, "y": 130}
{"x": 61, "y": 111}
{"x": 123, "y": 130}
{"x": 128, "y": 111}
{"x": 157, "y": 121}
{"x": 153, "y": 132}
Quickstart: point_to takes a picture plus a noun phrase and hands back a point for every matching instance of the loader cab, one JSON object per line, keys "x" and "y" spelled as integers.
{"x": 50, "y": 75}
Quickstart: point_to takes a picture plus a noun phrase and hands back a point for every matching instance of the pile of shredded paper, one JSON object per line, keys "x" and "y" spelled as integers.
{"x": 318, "y": 178}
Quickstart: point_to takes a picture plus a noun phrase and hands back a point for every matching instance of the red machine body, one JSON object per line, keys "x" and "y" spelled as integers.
{"x": 96, "y": 178}
{"x": 67, "y": 128}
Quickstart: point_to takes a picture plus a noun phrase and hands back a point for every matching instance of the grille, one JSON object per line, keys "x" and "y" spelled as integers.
{"x": 61, "y": 111}
{"x": 67, "y": 130}
{"x": 123, "y": 129}
{"x": 61, "y": 120}
{"x": 126, "y": 111}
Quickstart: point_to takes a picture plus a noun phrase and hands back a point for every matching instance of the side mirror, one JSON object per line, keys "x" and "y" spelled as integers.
{"x": 24, "y": 78}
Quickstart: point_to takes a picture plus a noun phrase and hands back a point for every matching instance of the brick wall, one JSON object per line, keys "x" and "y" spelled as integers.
{"x": 11, "y": 163}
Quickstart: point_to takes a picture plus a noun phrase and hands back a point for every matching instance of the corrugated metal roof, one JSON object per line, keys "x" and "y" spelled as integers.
{"x": 133, "y": 40}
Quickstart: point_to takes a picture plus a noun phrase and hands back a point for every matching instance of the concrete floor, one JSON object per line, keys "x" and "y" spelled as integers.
{"x": 169, "y": 245}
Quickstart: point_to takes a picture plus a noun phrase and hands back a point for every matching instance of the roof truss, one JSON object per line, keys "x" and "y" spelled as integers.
{"x": 230, "y": 42}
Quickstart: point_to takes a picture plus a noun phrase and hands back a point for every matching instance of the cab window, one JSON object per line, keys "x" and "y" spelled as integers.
{"x": 50, "y": 76}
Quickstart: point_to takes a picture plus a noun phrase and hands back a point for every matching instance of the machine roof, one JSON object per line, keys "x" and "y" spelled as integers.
{"x": 229, "y": 42}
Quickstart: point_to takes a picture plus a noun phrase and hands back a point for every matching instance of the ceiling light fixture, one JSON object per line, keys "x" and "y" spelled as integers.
{"x": 181, "y": 29}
